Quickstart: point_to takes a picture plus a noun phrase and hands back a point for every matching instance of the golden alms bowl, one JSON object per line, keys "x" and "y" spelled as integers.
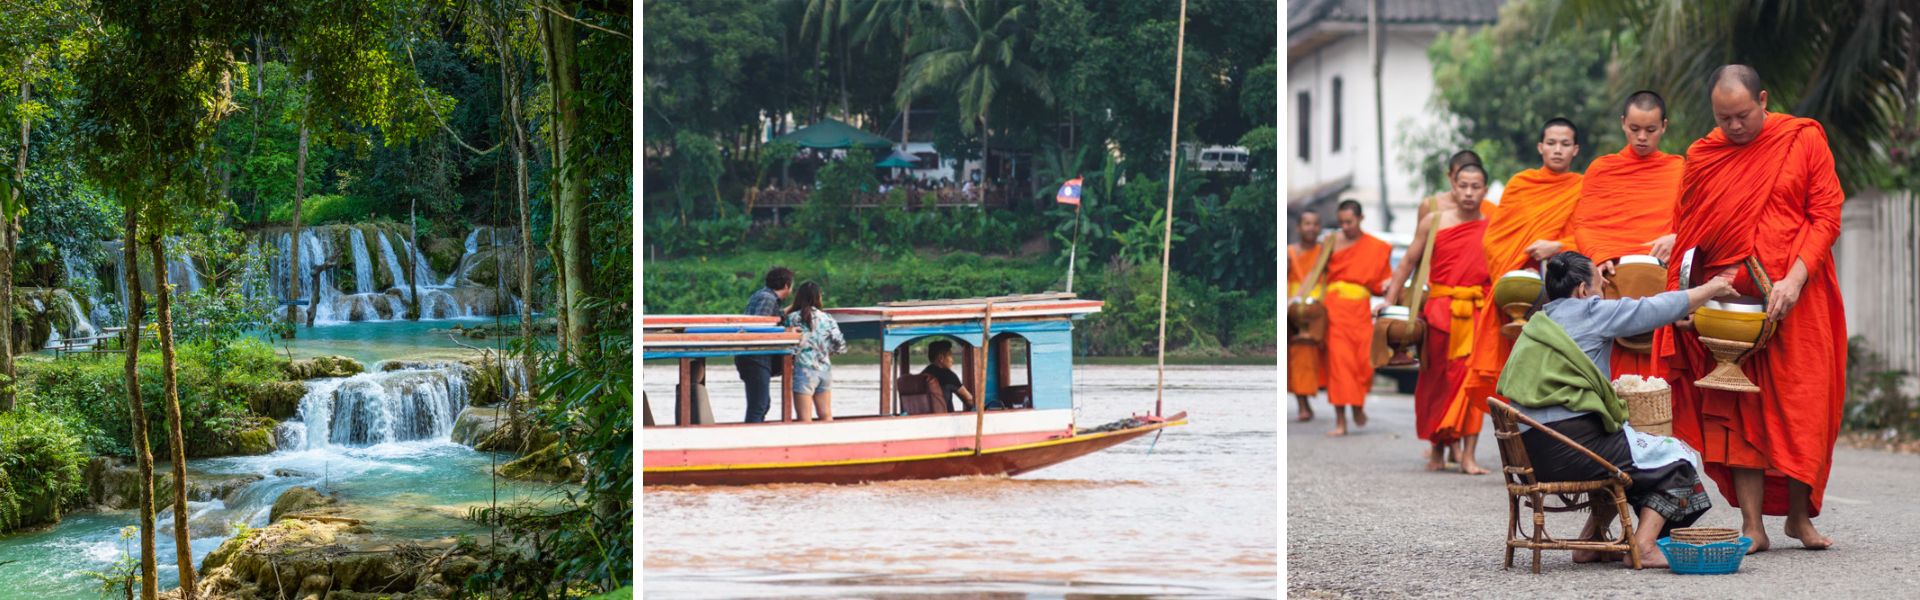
{"x": 1733, "y": 319}
{"x": 1517, "y": 286}
{"x": 1515, "y": 294}
{"x": 1730, "y": 329}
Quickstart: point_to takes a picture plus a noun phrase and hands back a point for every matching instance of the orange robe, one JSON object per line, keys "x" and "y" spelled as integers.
{"x": 1354, "y": 276}
{"x": 1537, "y": 205}
{"x": 1304, "y": 375}
{"x": 1776, "y": 199}
{"x": 1626, "y": 201}
{"x": 1460, "y": 287}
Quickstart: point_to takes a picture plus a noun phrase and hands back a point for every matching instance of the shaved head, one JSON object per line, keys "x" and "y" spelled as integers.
{"x": 1739, "y": 103}
{"x": 1461, "y": 159}
{"x": 1744, "y": 77}
{"x": 1645, "y": 100}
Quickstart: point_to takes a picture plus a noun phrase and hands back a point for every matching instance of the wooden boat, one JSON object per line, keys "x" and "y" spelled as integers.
{"x": 1025, "y": 422}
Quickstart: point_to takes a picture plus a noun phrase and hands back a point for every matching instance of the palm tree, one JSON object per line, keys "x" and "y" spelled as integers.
{"x": 897, "y": 19}
{"x": 826, "y": 22}
{"x": 974, "y": 56}
{"x": 1850, "y": 65}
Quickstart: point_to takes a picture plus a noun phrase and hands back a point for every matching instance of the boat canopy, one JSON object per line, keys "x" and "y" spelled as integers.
{"x": 704, "y": 336}
{"x": 1044, "y": 322}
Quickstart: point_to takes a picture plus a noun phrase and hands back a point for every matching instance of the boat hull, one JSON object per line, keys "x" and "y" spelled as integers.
{"x": 1005, "y": 460}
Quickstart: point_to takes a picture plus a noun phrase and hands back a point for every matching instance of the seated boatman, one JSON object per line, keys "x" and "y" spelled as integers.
{"x": 940, "y": 369}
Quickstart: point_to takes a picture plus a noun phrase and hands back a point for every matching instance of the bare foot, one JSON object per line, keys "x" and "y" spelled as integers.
{"x": 1470, "y": 468}
{"x": 1306, "y": 414}
{"x": 1359, "y": 417}
{"x": 1651, "y": 557}
{"x": 1594, "y": 556}
{"x": 1809, "y": 537}
{"x": 1338, "y": 431}
{"x": 1435, "y": 464}
{"x": 1759, "y": 537}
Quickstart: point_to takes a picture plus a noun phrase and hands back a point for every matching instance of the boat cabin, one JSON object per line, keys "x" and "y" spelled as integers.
{"x": 1012, "y": 352}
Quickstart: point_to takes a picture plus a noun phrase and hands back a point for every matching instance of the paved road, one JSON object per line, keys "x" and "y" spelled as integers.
{"x": 1364, "y": 520}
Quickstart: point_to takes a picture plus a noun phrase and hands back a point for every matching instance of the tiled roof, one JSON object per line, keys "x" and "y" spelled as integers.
{"x": 1302, "y": 14}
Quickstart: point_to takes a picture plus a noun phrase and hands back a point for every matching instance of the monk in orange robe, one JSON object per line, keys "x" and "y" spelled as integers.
{"x": 1533, "y": 223}
{"x": 1357, "y": 272}
{"x": 1304, "y": 375}
{"x": 1458, "y": 287}
{"x": 1442, "y": 201}
{"x": 1761, "y": 198}
{"x": 1626, "y": 207}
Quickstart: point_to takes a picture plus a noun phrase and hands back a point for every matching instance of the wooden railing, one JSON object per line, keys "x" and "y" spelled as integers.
{"x": 942, "y": 198}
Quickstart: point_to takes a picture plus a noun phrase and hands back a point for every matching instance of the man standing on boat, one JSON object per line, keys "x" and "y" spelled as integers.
{"x": 1357, "y": 271}
{"x": 757, "y": 371}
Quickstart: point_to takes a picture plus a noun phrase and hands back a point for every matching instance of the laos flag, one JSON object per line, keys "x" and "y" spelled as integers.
{"x": 1069, "y": 192}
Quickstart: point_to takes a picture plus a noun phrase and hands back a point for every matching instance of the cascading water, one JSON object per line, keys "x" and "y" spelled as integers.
{"x": 362, "y": 265}
{"x": 417, "y": 402}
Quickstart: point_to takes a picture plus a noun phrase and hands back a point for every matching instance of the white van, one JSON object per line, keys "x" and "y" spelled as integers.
{"x": 1222, "y": 158}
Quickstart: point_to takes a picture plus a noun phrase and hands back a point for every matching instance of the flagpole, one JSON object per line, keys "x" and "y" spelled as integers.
{"x": 1073, "y": 251}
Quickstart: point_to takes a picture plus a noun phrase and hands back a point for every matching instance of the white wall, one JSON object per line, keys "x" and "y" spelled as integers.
{"x": 1408, "y": 79}
{"x": 1877, "y": 260}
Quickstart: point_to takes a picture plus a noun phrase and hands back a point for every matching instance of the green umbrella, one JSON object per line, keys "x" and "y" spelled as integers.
{"x": 829, "y": 133}
{"x": 899, "y": 160}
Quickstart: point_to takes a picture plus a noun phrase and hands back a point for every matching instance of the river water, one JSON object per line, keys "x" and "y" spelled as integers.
{"x": 1191, "y": 515}
{"x": 420, "y": 487}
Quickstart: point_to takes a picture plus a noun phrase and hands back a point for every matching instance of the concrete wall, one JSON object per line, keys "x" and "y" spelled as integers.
{"x": 1877, "y": 260}
{"x": 1408, "y": 89}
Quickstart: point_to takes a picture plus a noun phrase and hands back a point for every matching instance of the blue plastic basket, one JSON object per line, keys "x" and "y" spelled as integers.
{"x": 1718, "y": 558}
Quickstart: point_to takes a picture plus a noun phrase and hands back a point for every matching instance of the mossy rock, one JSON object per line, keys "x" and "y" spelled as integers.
{"x": 322, "y": 366}
{"x": 275, "y": 399}
{"x": 476, "y": 424}
{"x": 443, "y": 254}
{"x": 297, "y": 500}
{"x": 549, "y": 464}
{"x": 253, "y": 440}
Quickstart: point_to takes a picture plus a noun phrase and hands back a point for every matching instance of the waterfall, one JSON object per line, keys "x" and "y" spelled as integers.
{"x": 416, "y": 402}
{"x": 362, "y": 266}
{"x": 393, "y": 262}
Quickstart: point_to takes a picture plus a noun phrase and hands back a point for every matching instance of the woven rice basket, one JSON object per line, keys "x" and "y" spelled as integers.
{"x": 1705, "y": 535}
{"x": 1651, "y": 412}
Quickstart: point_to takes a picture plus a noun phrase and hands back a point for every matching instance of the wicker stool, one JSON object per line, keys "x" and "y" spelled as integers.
{"x": 1524, "y": 488}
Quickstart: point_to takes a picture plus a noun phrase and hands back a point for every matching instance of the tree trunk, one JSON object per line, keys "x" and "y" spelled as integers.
{"x": 142, "y": 450}
{"x": 570, "y": 203}
{"x": 986, "y": 156}
{"x": 293, "y": 257}
{"x": 520, "y": 146}
{"x": 176, "y": 443}
{"x": 9, "y": 241}
{"x": 562, "y": 311}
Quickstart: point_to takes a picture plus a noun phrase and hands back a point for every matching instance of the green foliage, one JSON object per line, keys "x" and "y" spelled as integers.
{"x": 90, "y": 394}
{"x": 324, "y": 209}
{"x": 1877, "y": 400}
{"x": 40, "y": 463}
{"x": 697, "y": 162}
{"x": 1475, "y": 76}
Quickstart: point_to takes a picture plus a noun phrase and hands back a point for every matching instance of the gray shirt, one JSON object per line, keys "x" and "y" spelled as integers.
{"x": 1593, "y": 322}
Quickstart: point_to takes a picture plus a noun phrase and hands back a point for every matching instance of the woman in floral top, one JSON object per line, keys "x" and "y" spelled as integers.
{"x": 819, "y": 337}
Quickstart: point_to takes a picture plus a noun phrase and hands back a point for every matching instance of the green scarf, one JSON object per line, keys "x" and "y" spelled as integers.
{"x": 1548, "y": 369}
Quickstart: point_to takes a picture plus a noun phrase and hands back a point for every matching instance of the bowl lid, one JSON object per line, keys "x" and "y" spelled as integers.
{"x": 1639, "y": 259}
{"x": 1743, "y": 304}
{"x": 1522, "y": 273}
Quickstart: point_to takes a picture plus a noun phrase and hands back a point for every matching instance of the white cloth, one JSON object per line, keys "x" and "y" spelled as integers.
{"x": 1654, "y": 451}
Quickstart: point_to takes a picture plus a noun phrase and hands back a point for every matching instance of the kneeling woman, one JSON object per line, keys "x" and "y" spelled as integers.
{"x": 1558, "y": 375}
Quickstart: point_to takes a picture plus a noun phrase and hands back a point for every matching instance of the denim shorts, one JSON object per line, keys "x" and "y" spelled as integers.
{"x": 808, "y": 382}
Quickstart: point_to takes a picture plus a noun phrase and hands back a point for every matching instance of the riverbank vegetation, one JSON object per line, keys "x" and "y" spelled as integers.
{"x": 1058, "y": 98}
{"x": 174, "y": 161}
